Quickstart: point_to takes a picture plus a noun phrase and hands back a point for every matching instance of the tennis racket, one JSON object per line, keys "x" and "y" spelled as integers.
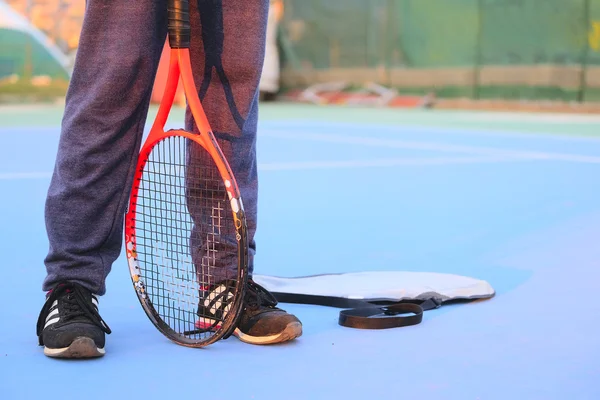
{"x": 185, "y": 218}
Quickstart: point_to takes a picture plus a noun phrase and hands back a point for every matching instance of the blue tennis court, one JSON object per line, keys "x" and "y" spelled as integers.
{"x": 513, "y": 199}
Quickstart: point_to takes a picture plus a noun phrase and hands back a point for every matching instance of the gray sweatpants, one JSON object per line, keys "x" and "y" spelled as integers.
{"x": 106, "y": 106}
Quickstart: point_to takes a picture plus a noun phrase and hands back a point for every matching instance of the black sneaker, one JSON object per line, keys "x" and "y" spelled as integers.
{"x": 69, "y": 325}
{"x": 262, "y": 322}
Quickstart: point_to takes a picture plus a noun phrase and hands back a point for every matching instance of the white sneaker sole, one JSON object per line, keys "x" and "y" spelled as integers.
{"x": 292, "y": 331}
{"x": 82, "y": 347}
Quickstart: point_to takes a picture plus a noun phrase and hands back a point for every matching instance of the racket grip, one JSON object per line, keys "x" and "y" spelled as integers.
{"x": 179, "y": 24}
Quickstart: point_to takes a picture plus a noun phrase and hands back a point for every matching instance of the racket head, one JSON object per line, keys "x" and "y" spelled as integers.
{"x": 185, "y": 221}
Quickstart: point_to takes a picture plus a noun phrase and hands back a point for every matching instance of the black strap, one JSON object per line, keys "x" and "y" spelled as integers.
{"x": 367, "y": 314}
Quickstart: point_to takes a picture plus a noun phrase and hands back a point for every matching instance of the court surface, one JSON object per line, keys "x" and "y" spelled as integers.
{"x": 510, "y": 198}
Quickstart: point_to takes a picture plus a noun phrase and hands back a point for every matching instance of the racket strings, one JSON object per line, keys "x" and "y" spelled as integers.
{"x": 185, "y": 234}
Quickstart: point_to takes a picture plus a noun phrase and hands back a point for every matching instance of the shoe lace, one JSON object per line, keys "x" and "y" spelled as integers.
{"x": 74, "y": 304}
{"x": 257, "y": 296}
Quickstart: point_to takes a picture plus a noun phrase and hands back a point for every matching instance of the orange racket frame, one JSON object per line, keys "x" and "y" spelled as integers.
{"x": 180, "y": 68}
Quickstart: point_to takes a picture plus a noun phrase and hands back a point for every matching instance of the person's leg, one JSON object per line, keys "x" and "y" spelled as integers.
{"x": 120, "y": 46}
{"x": 105, "y": 113}
{"x": 227, "y": 52}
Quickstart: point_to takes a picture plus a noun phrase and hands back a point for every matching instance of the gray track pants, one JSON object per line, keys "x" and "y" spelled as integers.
{"x": 120, "y": 46}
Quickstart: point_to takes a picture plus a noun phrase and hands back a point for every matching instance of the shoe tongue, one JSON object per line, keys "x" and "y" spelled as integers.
{"x": 57, "y": 287}
{"x": 204, "y": 288}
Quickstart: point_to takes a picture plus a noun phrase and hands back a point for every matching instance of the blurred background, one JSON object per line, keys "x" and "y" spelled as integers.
{"x": 394, "y": 135}
{"x": 406, "y": 53}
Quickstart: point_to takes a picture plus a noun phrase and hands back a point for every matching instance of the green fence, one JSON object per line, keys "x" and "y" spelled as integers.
{"x": 528, "y": 49}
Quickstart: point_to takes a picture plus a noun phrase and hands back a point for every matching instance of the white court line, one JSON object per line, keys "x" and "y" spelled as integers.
{"x": 435, "y": 129}
{"x": 24, "y": 175}
{"x": 489, "y": 154}
{"x": 431, "y": 146}
{"x": 376, "y": 163}
{"x": 530, "y": 118}
{"x": 287, "y": 166}
{"x": 306, "y": 165}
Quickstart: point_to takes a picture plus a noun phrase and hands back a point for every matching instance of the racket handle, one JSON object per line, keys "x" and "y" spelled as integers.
{"x": 179, "y": 24}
